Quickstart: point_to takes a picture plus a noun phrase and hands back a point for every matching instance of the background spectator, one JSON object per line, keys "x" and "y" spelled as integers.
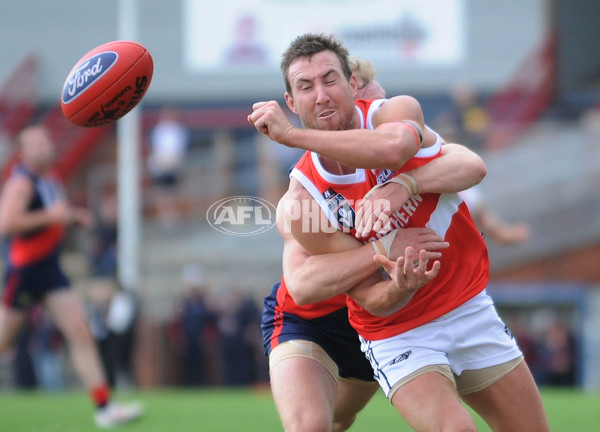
{"x": 47, "y": 347}
{"x": 239, "y": 325}
{"x": 491, "y": 225}
{"x": 191, "y": 321}
{"x": 467, "y": 121}
{"x": 169, "y": 145}
{"x": 557, "y": 356}
{"x": 103, "y": 238}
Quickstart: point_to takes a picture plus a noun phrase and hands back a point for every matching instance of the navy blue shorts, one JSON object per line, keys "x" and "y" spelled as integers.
{"x": 332, "y": 332}
{"x": 27, "y": 285}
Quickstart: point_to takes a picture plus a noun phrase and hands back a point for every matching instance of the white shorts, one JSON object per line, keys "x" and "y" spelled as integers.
{"x": 471, "y": 337}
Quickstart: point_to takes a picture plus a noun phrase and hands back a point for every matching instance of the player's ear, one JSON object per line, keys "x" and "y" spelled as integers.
{"x": 289, "y": 100}
{"x": 354, "y": 85}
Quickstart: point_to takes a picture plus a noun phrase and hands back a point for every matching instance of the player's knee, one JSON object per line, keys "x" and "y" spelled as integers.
{"x": 309, "y": 423}
{"x": 466, "y": 425}
{"x": 78, "y": 333}
{"x": 343, "y": 424}
{"x": 7, "y": 339}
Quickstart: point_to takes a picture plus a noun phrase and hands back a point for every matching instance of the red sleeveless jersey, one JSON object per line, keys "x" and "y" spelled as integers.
{"x": 28, "y": 248}
{"x": 464, "y": 268}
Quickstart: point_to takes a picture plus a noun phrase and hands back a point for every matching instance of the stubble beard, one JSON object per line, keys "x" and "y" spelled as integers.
{"x": 346, "y": 122}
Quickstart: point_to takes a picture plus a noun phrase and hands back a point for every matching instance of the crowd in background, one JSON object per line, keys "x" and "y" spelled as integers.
{"x": 214, "y": 339}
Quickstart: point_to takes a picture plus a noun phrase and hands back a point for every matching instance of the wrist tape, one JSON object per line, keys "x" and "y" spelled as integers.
{"x": 383, "y": 245}
{"x": 406, "y": 180}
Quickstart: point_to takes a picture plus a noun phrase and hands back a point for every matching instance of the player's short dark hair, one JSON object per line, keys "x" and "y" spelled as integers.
{"x": 310, "y": 44}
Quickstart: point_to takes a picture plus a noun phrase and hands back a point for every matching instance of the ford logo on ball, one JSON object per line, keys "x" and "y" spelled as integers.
{"x": 84, "y": 74}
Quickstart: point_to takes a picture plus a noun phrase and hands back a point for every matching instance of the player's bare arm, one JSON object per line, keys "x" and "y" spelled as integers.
{"x": 319, "y": 264}
{"x": 389, "y": 146}
{"x": 312, "y": 278}
{"x": 457, "y": 169}
{"x": 378, "y": 297}
{"x": 408, "y": 273}
{"x": 14, "y": 216}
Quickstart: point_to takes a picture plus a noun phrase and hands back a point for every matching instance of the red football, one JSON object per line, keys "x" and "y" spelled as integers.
{"x": 107, "y": 83}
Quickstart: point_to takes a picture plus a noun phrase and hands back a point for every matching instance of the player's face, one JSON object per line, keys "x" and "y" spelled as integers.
{"x": 37, "y": 149}
{"x": 321, "y": 95}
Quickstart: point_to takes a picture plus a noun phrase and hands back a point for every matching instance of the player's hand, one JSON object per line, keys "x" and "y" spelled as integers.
{"x": 374, "y": 211}
{"x": 419, "y": 238}
{"x": 409, "y": 272}
{"x": 59, "y": 212}
{"x": 268, "y": 118}
{"x": 81, "y": 216}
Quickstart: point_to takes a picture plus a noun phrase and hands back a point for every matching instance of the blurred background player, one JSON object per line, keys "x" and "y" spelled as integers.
{"x": 34, "y": 214}
{"x": 169, "y": 145}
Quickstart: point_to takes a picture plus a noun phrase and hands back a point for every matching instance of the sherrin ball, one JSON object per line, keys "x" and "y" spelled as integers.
{"x": 106, "y": 83}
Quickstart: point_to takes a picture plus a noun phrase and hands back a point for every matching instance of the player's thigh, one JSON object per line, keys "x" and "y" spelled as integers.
{"x": 511, "y": 403}
{"x": 11, "y": 321}
{"x": 66, "y": 309}
{"x": 352, "y": 396}
{"x": 304, "y": 392}
{"x": 430, "y": 402}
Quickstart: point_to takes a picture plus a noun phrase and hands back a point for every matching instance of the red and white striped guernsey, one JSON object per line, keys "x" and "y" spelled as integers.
{"x": 464, "y": 268}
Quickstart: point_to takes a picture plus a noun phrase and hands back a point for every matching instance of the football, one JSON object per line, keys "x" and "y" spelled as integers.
{"x": 106, "y": 83}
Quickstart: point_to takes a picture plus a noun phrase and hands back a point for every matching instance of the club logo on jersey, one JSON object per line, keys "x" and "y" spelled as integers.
{"x": 86, "y": 73}
{"x": 341, "y": 208}
{"x": 384, "y": 175}
{"x": 241, "y": 215}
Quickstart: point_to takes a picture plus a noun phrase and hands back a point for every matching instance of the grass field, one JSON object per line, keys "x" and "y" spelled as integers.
{"x": 240, "y": 410}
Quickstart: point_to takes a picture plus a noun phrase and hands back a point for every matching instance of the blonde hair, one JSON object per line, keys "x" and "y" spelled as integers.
{"x": 363, "y": 70}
